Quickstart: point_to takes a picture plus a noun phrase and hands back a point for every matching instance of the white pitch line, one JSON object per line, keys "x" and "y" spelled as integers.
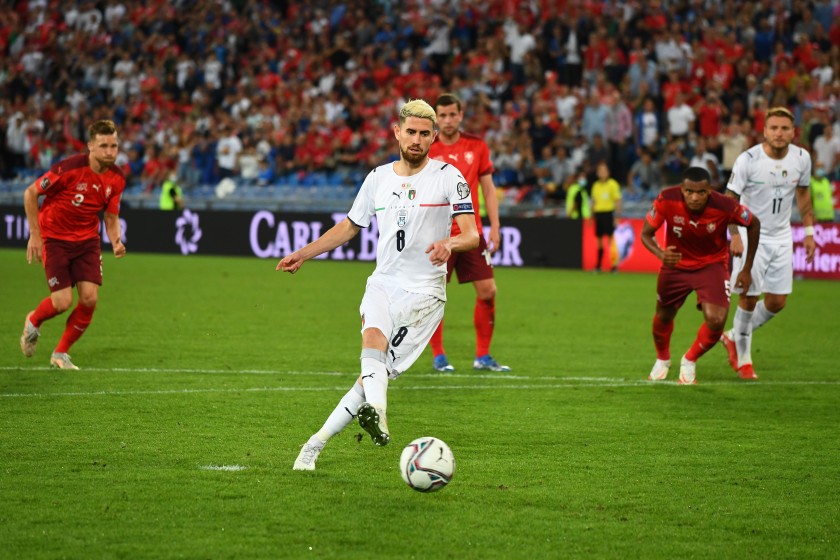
{"x": 227, "y": 468}
{"x": 473, "y": 375}
{"x": 529, "y": 387}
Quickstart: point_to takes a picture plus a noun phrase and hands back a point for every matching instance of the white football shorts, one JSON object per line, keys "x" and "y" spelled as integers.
{"x": 406, "y": 318}
{"x": 772, "y": 271}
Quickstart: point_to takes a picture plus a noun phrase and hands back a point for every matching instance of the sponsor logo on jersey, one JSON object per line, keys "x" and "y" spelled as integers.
{"x": 53, "y": 281}
{"x": 453, "y": 157}
{"x": 463, "y": 190}
{"x": 462, "y": 207}
{"x": 45, "y": 183}
{"x": 693, "y": 223}
{"x": 411, "y": 194}
{"x": 96, "y": 188}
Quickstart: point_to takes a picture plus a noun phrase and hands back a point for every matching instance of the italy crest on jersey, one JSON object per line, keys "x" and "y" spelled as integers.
{"x": 411, "y": 194}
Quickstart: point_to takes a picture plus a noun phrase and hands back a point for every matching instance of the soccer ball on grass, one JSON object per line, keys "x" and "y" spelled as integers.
{"x": 427, "y": 464}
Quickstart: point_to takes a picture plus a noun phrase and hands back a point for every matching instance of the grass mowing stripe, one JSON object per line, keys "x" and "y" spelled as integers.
{"x": 612, "y": 384}
{"x": 641, "y": 380}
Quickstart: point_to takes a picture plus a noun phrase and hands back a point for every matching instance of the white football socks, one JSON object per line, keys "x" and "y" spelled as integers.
{"x": 742, "y": 331}
{"x": 375, "y": 378}
{"x": 343, "y": 414}
{"x": 760, "y": 315}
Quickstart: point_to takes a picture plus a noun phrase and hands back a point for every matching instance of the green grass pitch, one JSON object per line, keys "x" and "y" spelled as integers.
{"x": 194, "y": 364}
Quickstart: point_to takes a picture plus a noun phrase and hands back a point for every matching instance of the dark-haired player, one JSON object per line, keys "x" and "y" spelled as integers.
{"x": 695, "y": 259}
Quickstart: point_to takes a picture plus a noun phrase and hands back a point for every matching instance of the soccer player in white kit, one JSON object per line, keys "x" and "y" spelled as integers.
{"x": 766, "y": 178}
{"x": 414, "y": 200}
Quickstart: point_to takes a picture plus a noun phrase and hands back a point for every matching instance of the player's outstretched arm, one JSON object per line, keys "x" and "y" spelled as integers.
{"x": 337, "y": 235}
{"x": 35, "y": 245}
{"x": 112, "y": 228}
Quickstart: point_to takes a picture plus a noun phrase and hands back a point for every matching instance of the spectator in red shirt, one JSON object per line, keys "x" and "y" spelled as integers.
{"x": 64, "y": 235}
{"x": 672, "y": 88}
{"x": 710, "y": 112}
{"x": 655, "y": 19}
{"x": 154, "y": 169}
{"x": 695, "y": 258}
{"x": 722, "y": 72}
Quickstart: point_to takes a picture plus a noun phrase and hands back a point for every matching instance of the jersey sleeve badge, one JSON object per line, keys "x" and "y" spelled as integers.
{"x": 463, "y": 190}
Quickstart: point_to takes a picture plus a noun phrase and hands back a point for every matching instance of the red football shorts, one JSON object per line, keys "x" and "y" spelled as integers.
{"x": 710, "y": 282}
{"x": 472, "y": 265}
{"x": 69, "y": 262}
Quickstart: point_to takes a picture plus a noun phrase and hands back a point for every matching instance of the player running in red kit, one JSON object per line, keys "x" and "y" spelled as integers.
{"x": 64, "y": 235}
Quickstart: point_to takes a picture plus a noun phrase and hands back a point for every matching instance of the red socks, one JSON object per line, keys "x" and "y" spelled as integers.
{"x": 484, "y": 317}
{"x": 45, "y": 310}
{"x": 705, "y": 341}
{"x": 77, "y": 322}
{"x": 662, "y": 338}
{"x": 437, "y": 340}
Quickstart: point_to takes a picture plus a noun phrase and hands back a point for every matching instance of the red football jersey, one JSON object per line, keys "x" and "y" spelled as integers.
{"x": 700, "y": 237}
{"x": 471, "y": 156}
{"x": 75, "y": 196}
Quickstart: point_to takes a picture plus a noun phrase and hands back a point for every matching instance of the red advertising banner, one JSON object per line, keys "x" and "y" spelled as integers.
{"x": 627, "y": 247}
{"x": 826, "y": 263}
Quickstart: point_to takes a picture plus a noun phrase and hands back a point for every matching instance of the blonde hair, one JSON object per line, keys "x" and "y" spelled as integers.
{"x": 417, "y": 108}
{"x": 779, "y": 112}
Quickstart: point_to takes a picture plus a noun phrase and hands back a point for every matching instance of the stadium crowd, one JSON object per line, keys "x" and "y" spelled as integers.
{"x": 270, "y": 91}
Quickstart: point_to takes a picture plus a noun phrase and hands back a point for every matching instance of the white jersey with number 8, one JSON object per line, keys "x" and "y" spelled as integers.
{"x": 412, "y": 213}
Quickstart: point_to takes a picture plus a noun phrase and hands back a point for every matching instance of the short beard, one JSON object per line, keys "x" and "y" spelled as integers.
{"x": 411, "y": 159}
